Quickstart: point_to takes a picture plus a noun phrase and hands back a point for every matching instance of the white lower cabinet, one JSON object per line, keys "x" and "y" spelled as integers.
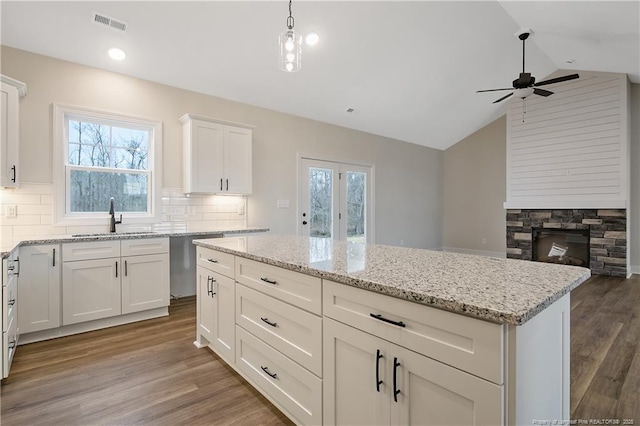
{"x": 39, "y": 301}
{"x": 288, "y": 384}
{"x": 215, "y": 311}
{"x": 145, "y": 282}
{"x": 370, "y": 381}
{"x": 9, "y": 320}
{"x": 90, "y": 290}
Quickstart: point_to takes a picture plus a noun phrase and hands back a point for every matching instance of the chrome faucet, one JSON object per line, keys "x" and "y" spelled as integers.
{"x": 113, "y": 222}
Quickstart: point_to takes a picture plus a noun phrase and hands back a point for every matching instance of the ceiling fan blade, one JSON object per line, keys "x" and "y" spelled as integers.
{"x": 494, "y": 90}
{"x": 503, "y": 98}
{"x": 542, "y": 92}
{"x": 557, "y": 80}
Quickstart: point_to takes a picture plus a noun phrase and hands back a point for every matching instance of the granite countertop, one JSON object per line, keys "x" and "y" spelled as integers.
{"x": 76, "y": 238}
{"x": 505, "y": 291}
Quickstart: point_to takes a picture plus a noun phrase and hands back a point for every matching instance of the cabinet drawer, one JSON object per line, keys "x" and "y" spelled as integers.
{"x": 142, "y": 246}
{"x": 292, "y": 331}
{"x": 289, "y": 385}
{"x": 90, "y": 250}
{"x": 9, "y": 302}
{"x": 216, "y": 261}
{"x": 469, "y": 344}
{"x": 300, "y": 290}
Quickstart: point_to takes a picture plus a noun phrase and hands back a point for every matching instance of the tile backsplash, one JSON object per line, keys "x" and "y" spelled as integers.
{"x": 34, "y": 207}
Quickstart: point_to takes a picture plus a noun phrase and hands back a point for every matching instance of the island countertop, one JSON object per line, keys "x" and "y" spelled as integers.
{"x": 505, "y": 291}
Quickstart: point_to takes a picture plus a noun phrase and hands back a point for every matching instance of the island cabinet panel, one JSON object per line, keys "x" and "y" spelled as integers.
{"x": 368, "y": 380}
{"x": 292, "y": 287}
{"x": 293, "y": 331}
{"x": 469, "y": 344}
{"x": 283, "y": 381}
{"x": 216, "y": 261}
{"x": 216, "y": 312}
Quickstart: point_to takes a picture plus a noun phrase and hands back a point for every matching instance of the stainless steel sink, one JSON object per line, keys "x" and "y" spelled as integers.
{"x": 115, "y": 234}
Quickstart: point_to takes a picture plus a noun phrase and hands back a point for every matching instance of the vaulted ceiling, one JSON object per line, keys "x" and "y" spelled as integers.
{"x": 409, "y": 70}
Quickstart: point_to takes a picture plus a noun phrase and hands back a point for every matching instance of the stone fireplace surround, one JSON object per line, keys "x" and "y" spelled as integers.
{"x": 607, "y": 234}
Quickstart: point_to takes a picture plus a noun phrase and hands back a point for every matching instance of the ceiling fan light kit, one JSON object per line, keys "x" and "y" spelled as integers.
{"x": 525, "y": 85}
{"x": 290, "y": 45}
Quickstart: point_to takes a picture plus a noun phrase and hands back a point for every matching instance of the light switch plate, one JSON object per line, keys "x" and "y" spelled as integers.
{"x": 11, "y": 210}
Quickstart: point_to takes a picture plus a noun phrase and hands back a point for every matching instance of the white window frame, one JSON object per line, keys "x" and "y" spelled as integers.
{"x": 61, "y": 171}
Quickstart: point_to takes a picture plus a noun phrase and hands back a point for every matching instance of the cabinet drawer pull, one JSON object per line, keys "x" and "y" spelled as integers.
{"x": 396, "y": 391}
{"x": 212, "y": 260}
{"x": 381, "y": 318}
{"x": 11, "y": 302}
{"x": 272, "y": 324}
{"x": 12, "y": 344}
{"x": 11, "y": 268}
{"x": 266, "y": 370}
{"x": 267, "y": 280}
{"x": 378, "y": 358}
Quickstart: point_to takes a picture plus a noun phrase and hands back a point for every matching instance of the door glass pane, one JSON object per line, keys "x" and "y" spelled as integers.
{"x": 356, "y": 210}
{"x": 320, "y": 202}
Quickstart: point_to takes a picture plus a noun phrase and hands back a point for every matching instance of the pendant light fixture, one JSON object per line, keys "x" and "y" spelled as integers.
{"x": 290, "y": 47}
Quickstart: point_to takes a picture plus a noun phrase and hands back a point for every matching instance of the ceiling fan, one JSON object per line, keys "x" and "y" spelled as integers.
{"x": 525, "y": 84}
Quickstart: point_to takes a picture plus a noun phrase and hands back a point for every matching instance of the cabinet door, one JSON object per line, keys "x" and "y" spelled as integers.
{"x": 224, "y": 316}
{"x": 206, "y": 306}
{"x": 203, "y": 146}
{"x": 9, "y": 136}
{"x": 145, "y": 282}
{"x": 237, "y": 160}
{"x": 350, "y": 393}
{"x": 432, "y": 393}
{"x": 39, "y": 288}
{"x": 90, "y": 290}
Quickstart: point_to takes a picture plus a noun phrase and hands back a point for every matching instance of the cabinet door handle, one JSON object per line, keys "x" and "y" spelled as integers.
{"x": 266, "y": 370}
{"x": 212, "y": 261}
{"x": 267, "y": 280}
{"x": 116, "y": 269}
{"x": 210, "y": 281}
{"x": 13, "y": 179}
{"x": 11, "y": 302}
{"x": 379, "y": 356}
{"x": 54, "y": 257}
{"x": 220, "y": 184}
{"x": 396, "y": 391}
{"x": 227, "y": 184}
{"x": 272, "y": 324}
{"x": 125, "y": 268}
{"x": 12, "y": 344}
{"x": 381, "y": 318}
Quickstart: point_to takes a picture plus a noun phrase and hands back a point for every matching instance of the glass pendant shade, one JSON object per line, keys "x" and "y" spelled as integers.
{"x": 290, "y": 51}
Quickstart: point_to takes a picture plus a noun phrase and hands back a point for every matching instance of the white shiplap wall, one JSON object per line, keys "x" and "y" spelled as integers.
{"x": 572, "y": 150}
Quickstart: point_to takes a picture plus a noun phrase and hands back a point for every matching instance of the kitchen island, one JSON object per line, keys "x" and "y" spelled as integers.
{"x": 339, "y": 332}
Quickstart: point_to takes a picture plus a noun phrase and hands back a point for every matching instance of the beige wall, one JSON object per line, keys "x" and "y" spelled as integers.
{"x": 408, "y": 189}
{"x": 474, "y": 191}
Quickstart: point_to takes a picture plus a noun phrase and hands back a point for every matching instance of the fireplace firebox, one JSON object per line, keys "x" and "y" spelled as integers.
{"x": 563, "y": 246}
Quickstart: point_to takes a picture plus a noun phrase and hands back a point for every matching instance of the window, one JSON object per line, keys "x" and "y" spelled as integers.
{"x": 102, "y": 155}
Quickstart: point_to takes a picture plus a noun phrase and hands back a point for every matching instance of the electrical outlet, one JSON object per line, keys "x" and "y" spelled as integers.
{"x": 11, "y": 211}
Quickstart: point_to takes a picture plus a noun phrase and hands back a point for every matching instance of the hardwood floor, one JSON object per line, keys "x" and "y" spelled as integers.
{"x": 143, "y": 373}
{"x": 605, "y": 349}
{"x": 150, "y": 372}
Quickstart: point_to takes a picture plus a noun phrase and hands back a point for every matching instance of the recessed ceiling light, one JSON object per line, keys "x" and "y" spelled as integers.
{"x": 350, "y": 110}
{"x": 117, "y": 54}
{"x": 571, "y": 61}
{"x": 312, "y": 39}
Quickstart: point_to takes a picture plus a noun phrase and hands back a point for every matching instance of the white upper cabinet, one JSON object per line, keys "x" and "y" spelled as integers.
{"x": 217, "y": 156}
{"x": 12, "y": 91}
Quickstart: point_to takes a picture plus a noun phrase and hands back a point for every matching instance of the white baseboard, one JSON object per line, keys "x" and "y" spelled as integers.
{"x": 475, "y": 251}
{"x": 633, "y": 269}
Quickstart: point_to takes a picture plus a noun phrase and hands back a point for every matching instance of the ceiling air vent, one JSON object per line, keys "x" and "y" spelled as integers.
{"x": 102, "y": 19}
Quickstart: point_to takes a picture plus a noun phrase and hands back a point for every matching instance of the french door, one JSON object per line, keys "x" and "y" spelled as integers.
{"x": 335, "y": 201}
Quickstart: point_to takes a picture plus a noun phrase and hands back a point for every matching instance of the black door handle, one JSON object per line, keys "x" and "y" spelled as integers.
{"x": 266, "y": 370}
{"x": 272, "y": 324}
{"x": 381, "y": 318}
{"x": 304, "y": 222}
{"x": 396, "y": 391}
{"x": 267, "y": 280}
{"x": 378, "y": 381}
